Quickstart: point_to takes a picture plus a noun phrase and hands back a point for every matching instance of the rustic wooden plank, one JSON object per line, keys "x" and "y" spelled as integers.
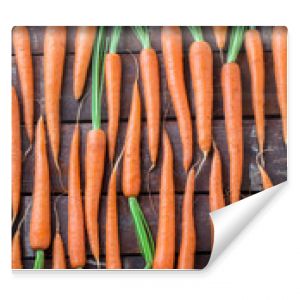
{"x": 128, "y": 262}
{"x": 275, "y": 159}
{"x": 69, "y": 106}
{"x": 129, "y": 41}
{"x": 127, "y": 237}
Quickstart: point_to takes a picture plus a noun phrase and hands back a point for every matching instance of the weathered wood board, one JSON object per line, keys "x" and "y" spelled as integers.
{"x": 275, "y": 158}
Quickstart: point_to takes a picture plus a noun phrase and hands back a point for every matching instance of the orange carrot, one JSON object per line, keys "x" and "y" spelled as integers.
{"x": 40, "y": 223}
{"x": 113, "y": 259}
{"x": 165, "y": 241}
{"x": 188, "y": 233}
{"x": 84, "y": 39}
{"x": 279, "y": 47}
{"x": 16, "y": 251}
{"x": 131, "y": 178}
{"x": 54, "y": 56}
{"x": 232, "y": 100}
{"x": 94, "y": 169}
{"x": 21, "y": 43}
{"x": 16, "y": 162}
{"x": 113, "y": 74}
{"x": 76, "y": 230}
{"x": 201, "y": 67}
{"x": 216, "y": 196}
{"x": 58, "y": 254}
{"x": 220, "y": 33}
{"x": 151, "y": 82}
{"x": 95, "y": 149}
{"x": 266, "y": 180}
{"x": 173, "y": 61}
{"x": 254, "y": 50}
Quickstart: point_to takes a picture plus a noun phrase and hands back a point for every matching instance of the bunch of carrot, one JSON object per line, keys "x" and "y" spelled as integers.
{"x": 91, "y": 45}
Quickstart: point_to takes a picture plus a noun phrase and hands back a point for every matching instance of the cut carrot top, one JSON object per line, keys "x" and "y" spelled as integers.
{"x": 115, "y": 37}
{"x": 196, "y": 32}
{"x": 235, "y": 44}
{"x": 97, "y": 81}
{"x": 142, "y": 33}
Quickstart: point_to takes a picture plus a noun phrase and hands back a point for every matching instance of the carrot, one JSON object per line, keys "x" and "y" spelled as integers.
{"x": 95, "y": 150}
{"x": 113, "y": 259}
{"x": 216, "y": 196}
{"x": 201, "y": 67}
{"x": 165, "y": 241}
{"x": 279, "y": 47}
{"x": 16, "y": 251}
{"x": 220, "y": 33}
{"x": 76, "y": 230}
{"x": 113, "y": 74}
{"x": 16, "y": 161}
{"x": 232, "y": 100}
{"x": 40, "y": 223}
{"x": 188, "y": 232}
{"x": 173, "y": 61}
{"x": 255, "y": 55}
{"x": 58, "y": 254}
{"x": 54, "y": 56}
{"x": 58, "y": 249}
{"x": 84, "y": 39}
{"x": 131, "y": 177}
{"x": 21, "y": 43}
{"x": 265, "y": 178}
{"x": 151, "y": 83}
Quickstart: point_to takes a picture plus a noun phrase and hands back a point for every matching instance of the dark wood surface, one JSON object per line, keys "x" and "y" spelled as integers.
{"x": 275, "y": 158}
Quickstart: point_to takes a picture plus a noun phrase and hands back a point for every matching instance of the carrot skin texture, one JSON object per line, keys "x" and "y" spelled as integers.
{"x": 84, "y": 40}
{"x": 113, "y": 260}
{"x": 16, "y": 160}
{"x": 216, "y": 196}
{"x": 255, "y": 55}
{"x": 113, "y": 75}
{"x": 232, "y": 102}
{"x": 173, "y": 61}
{"x": 21, "y": 43}
{"x": 165, "y": 242}
{"x": 188, "y": 236}
{"x": 94, "y": 169}
{"x": 201, "y": 68}
{"x": 279, "y": 47}
{"x": 16, "y": 251}
{"x": 40, "y": 222}
{"x": 76, "y": 230}
{"x": 220, "y": 33}
{"x": 54, "y": 57}
{"x": 58, "y": 255}
{"x": 131, "y": 179}
{"x": 151, "y": 84}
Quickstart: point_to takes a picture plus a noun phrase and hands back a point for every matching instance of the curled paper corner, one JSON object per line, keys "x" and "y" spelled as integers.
{"x": 230, "y": 221}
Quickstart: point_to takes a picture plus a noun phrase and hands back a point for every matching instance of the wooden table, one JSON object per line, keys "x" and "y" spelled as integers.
{"x": 275, "y": 159}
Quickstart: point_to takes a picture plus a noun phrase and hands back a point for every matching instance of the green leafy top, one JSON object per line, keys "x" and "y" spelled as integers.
{"x": 115, "y": 37}
{"x": 196, "y": 32}
{"x": 142, "y": 33}
{"x": 235, "y": 44}
{"x": 99, "y": 52}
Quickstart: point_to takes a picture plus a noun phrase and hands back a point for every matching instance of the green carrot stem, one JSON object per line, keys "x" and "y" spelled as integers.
{"x": 196, "y": 32}
{"x": 235, "y": 44}
{"x": 39, "y": 261}
{"x": 115, "y": 37}
{"x": 142, "y": 33}
{"x": 98, "y": 59}
{"x": 142, "y": 231}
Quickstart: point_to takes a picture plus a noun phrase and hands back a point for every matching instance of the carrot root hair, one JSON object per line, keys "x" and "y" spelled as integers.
{"x": 27, "y": 152}
{"x": 201, "y": 162}
{"x": 154, "y": 210}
